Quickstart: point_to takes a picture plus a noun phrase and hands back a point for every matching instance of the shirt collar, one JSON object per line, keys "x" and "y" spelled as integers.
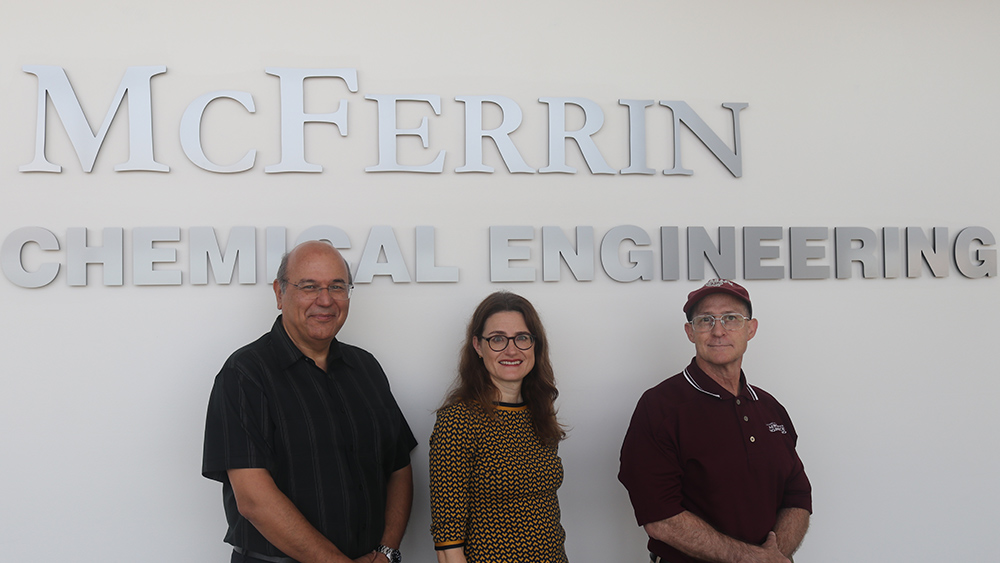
{"x": 288, "y": 353}
{"x": 522, "y": 406}
{"x": 705, "y": 384}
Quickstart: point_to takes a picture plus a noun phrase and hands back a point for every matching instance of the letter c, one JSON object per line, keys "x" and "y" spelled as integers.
{"x": 10, "y": 257}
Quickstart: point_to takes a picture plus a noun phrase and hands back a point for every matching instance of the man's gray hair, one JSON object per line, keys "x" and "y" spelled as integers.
{"x": 282, "y": 275}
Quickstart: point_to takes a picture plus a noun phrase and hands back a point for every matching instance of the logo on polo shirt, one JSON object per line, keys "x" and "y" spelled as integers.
{"x": 775, "y": 427}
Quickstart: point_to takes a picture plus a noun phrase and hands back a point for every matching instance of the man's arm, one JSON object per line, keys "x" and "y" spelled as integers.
{"x": 697, "y": 538}
{"x": 399, "y": 499}
{"x": 261, "y": 502}
{"x": 791, "y": 528}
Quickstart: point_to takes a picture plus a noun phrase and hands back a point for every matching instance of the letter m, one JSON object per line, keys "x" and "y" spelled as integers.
{"x": 732, "y": 160}
{"x": 54, "y": 85}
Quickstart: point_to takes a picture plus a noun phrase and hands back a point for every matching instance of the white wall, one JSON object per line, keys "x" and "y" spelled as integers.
{"x": 874, "y": 114}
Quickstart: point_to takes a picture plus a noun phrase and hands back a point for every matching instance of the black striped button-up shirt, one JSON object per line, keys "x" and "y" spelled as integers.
{"x": 329, "y": 439}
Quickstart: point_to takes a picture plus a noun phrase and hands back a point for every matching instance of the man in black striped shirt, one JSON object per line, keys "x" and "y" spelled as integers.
{"x": 304, "y": 434}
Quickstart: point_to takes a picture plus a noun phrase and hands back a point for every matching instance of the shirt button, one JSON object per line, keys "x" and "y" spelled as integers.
{"x": 737, "y": 401}
{"x": 746, "y": 419}
{"x": 752, "y": 439}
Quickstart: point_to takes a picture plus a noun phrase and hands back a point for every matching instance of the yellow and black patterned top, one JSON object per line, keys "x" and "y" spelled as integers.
{"x": 493, "y": 487}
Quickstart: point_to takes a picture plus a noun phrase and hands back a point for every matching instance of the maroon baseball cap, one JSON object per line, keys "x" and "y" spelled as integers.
{"x": 717, "y": 286}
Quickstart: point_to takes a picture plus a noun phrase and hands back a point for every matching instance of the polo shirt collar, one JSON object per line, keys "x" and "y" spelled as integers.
{"x": 287, "y": 353}
{"x": 705, "y": 384}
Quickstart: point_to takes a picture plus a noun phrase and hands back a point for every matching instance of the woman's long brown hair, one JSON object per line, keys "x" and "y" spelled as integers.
{"x": 473, "y": 384}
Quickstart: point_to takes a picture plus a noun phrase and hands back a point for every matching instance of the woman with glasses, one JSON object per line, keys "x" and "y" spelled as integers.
{"x": 494, "y": 464}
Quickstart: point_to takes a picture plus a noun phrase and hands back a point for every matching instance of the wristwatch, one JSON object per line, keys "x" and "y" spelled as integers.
{"x": 392, "y": 554}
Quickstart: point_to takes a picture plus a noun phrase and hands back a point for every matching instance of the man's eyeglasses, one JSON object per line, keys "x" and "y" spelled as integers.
{"x": 338, "y": 291}
{"x": 730, "y": 321}
{"x": 499, "y": 342}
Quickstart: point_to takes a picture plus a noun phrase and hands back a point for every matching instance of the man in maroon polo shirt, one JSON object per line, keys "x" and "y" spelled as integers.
{"x": 708, "y": 460}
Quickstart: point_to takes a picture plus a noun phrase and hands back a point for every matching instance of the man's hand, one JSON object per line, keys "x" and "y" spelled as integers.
{"x": 769, "y": 552}
{"x": 790, "y": 528}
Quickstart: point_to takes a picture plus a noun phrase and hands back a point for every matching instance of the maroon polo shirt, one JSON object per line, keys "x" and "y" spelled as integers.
{"x": 729, "y": 460}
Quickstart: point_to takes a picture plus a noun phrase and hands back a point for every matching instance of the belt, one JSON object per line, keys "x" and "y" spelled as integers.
{"x": 262, "y": 557}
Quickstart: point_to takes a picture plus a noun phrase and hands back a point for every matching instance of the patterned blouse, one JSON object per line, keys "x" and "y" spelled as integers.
{"x": 493, "y": 487}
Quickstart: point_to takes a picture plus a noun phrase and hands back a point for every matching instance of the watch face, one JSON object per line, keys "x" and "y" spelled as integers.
{"x": 393, "y": 555}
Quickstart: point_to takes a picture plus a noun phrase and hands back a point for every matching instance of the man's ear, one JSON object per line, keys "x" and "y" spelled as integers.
{"x": 277, "y": 293}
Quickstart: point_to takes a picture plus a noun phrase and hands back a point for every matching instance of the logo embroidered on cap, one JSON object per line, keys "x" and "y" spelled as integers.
{"x": 775, "y": 427}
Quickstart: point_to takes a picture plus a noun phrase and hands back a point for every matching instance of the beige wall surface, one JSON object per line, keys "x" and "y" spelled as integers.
{"x": 860, "y": 114}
